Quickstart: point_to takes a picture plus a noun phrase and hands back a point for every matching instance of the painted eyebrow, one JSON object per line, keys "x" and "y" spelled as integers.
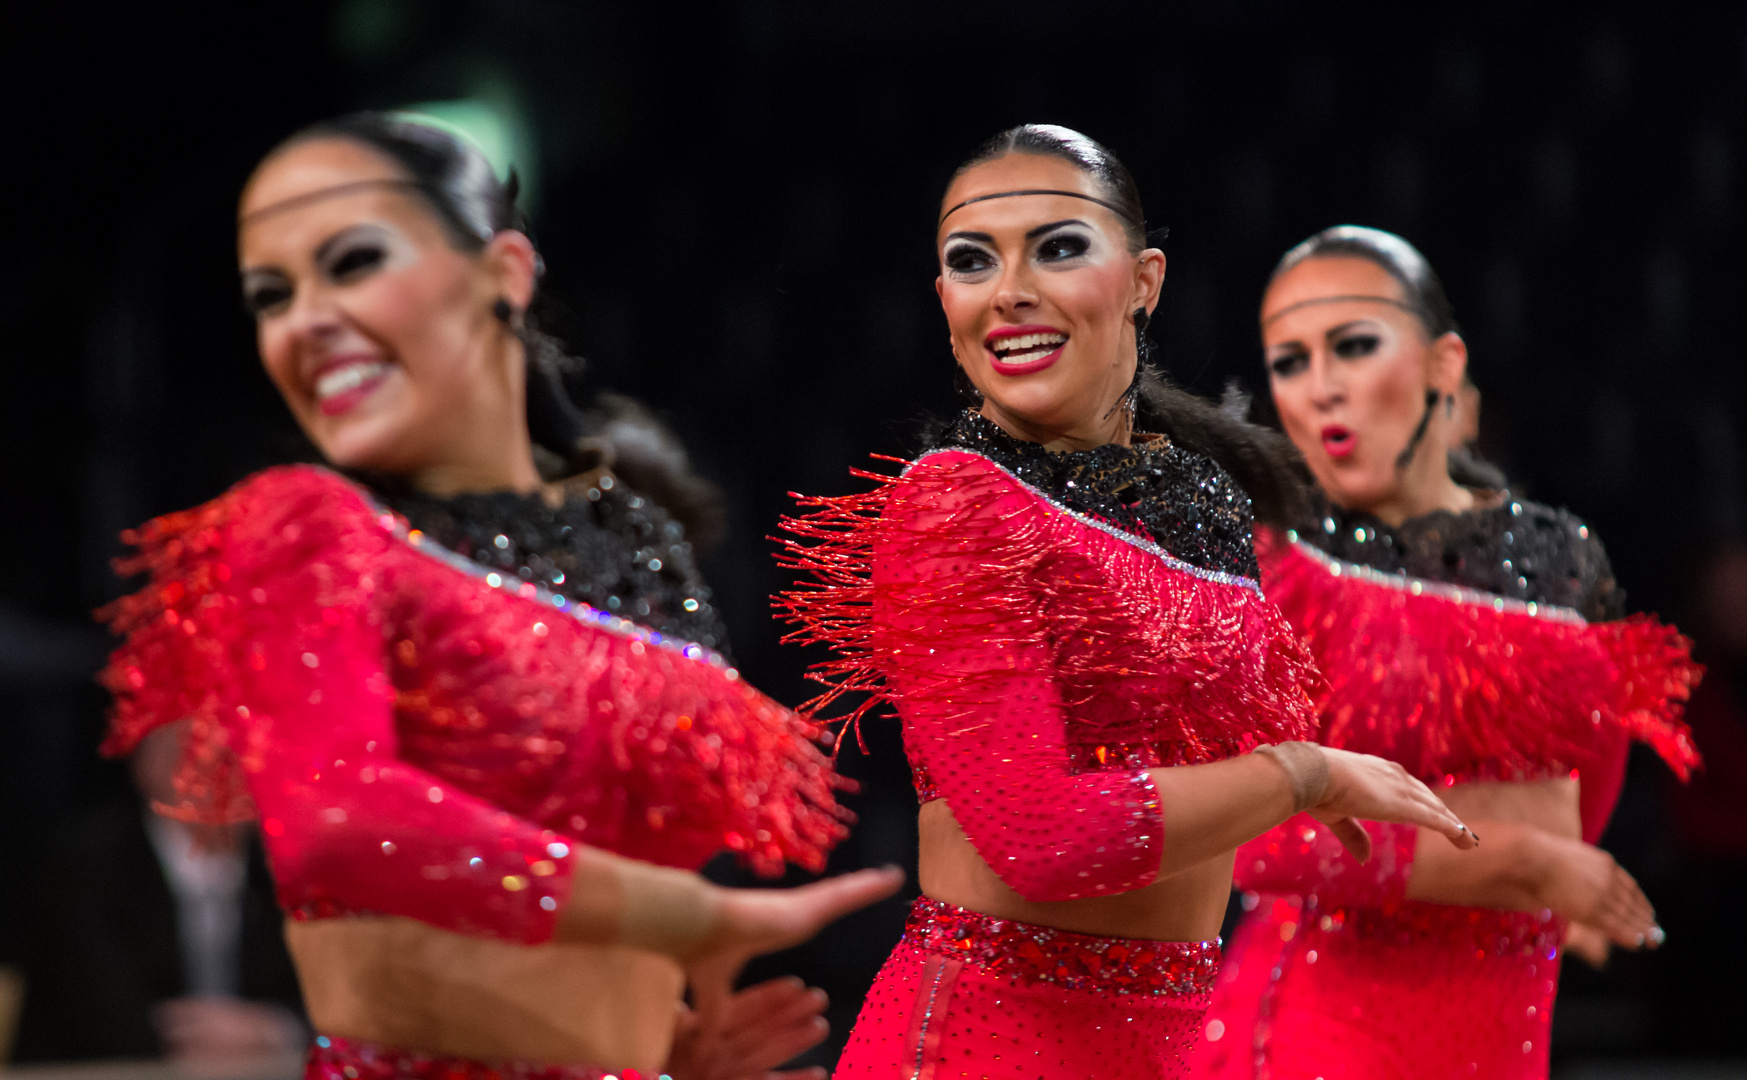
{"x": 1052, "y": 226}
{"x": 327, "y": 246}
{"x": 1030, "y": 234}
{"x": 1331, "y": 332}
{"x": 1328, "y": 335}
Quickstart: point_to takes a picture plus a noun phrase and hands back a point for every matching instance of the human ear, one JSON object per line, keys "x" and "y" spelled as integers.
{"x": 1149, "y": 279}
{"x": 1449, "y": 362}
{"x": 512, "y": 265}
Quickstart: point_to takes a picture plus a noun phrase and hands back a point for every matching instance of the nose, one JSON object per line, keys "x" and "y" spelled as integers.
{"x": 1327, "y": 388}
{"x": 1015, "y": 292}
{"x": 314, "y": 316}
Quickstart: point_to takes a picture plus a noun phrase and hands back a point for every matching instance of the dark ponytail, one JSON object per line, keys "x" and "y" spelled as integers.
{"x": 1263, "y": 462}
{"x": 573, "y": 428}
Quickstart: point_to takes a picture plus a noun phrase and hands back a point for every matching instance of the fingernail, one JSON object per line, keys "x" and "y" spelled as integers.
{"x": 1657, "y": 934}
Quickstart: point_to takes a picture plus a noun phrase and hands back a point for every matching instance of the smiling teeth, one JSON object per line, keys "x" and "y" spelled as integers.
{"x": 338, "y": 380}
{"x": 1027, "y": 343}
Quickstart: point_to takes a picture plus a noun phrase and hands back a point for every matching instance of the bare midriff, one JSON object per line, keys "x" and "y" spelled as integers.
{"x": 1187, "y": 906}
{"x": 1546, "y": 804}
{"x": 408, "y": 985}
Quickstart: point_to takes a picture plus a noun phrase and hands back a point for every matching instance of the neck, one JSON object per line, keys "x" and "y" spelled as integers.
{"x": 1425, "y": 486}
{"x": 490, "y": 449}
{"x": 1088, "y": 435}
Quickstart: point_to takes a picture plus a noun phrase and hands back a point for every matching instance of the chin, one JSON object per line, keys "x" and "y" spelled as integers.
{"x": 1355, "y": 492}
{"x": 362, "y": 445}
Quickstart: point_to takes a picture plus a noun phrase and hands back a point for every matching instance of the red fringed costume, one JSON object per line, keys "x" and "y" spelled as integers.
{"x": 425, "y": 736}
{"x": 1465, "y": 647}
{"x": 1049, "y": 627}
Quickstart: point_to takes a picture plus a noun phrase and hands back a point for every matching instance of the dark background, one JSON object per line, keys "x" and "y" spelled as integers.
{"x": 736, "y": 203}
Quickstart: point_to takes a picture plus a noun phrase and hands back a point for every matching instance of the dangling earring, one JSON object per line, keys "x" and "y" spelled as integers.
{"x": 1449, "y": 405}
{"x": 1142, "y": 347}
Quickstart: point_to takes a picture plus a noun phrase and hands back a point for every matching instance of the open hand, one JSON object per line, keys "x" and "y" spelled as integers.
{"x": 1587, "y": 887}
{"x": 744, "y": 1035}
{"x": 1369, "y": 788}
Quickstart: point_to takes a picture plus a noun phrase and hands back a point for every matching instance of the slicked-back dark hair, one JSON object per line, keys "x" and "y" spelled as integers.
{"x": 456, "y": 181}
{"x": 1423, "y": 289}
{"x": 1263, "y": 462}
{"x": 1081, "y": 151}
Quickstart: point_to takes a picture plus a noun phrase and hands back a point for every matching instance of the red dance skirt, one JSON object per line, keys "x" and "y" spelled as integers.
{"x": 334, "y": 1058}
{"x": 1430, "y": 991}
{"x": 968, "y": 995}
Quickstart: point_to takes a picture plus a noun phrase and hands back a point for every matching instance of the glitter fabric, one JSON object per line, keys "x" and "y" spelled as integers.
{"x": 1334, "y": 974}
{"x": 1045, "y": 643}
{"x": 334, "y": 1058}
{"x": 1183, "y": 500}
{"x": 1040, "y": 663}
{"x": 1516, "y": 549}
{"x": 605, "y": 546}
{"x": 1423, "y": 990}
{"x": 967, "y": 995}
{"x": 424, "y": 736}
{"x": 1473, "y": 687}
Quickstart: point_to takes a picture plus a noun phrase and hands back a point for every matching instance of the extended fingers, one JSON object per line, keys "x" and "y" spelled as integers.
{"x": 835, "y": 897}
{"x": 1440, "y": 818}
{"x": 1353, "y": 837}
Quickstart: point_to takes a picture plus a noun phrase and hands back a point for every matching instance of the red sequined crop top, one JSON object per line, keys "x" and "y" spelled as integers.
{"x": 1049, "y": 627}
{"x": 421, "y": 735}
{"x": 1485, "y": 645}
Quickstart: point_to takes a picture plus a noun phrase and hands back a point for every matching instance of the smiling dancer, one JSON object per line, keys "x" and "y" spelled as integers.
{"x": 1476, "y": 638}
{"x": 1063, "y": 608}
{"x": 482, "y": 792}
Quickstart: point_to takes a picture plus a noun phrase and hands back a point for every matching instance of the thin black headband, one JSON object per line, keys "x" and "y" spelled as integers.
{"x": 333, "y": 192}
{"x": 1345, "y": 297}
{"x": 1105, "y": 203}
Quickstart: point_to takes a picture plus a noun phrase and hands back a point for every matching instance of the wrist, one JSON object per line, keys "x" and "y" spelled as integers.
{"x": 1535, "y": 862}
{"x": 1306, "y": 769}
{"x": 666, "y": 911}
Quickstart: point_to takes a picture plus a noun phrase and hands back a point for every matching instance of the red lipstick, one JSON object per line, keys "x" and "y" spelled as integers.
{"x": 1338, "y": 440}
{"x": 343, "y": 383}
{"x": 1023, "y": 350}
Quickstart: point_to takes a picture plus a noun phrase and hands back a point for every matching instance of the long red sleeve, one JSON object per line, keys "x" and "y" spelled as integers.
{"x": 962, "y": 618}
{"x": 263, "y": 625}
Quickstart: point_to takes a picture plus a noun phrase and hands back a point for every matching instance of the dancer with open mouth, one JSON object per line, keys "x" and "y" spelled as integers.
{"x": 482, "y": 716}
{"x": 1476, "y": 638}
{"x": 1060, "y": 599}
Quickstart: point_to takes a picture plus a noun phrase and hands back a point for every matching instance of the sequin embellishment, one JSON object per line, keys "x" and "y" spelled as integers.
{"x": 1041, "y": 954}
{"x": 334, "y": 1058}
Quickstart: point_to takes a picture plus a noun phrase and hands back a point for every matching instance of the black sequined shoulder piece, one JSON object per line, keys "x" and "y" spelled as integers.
{"x": 1516, "y": 549}
{"x": 1155, "y": 490}
{"x": 605, "y": 546}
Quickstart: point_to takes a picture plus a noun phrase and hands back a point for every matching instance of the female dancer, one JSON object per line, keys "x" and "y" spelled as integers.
{"x": 1466, "y": 634}
{"x": 1064, "y": 611}
{"x": 482, "y": 791}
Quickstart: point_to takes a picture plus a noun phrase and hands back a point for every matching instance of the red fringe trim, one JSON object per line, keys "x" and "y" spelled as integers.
{"x": 1447, "y": 687}
{"x": 1207, "y": 668}
{"x": 175, "y": 663}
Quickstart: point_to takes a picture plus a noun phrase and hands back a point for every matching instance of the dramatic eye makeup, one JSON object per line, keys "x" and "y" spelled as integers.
{"x": 264, "y": 290}
{"x": 1356, "y": 345}
{"x": 355, "y": 252}
{"x": 348, "y": 256}
{"x": 965, "y": 259}
{"x": 1284, "y": 365}
{"x": 1063, "y": 245}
